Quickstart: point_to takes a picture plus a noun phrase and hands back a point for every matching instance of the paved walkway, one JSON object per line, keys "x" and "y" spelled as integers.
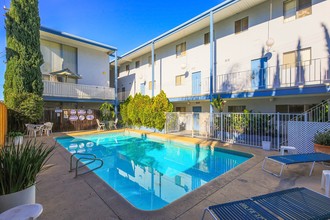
{"x": 88, "y": 197}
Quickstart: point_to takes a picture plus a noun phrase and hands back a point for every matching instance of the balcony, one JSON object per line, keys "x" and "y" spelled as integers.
{"x": 78, "y": 91}
{"x": 311, "y": 72}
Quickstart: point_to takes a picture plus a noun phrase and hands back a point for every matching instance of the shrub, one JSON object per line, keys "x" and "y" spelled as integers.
{"x": 141, "y": 110}
{"x": 107, "y": 112}
{"x": 322, "y": 138}
{"x": 21, "y": 164}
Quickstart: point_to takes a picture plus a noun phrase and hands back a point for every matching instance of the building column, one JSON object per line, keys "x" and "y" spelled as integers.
{"x": 116, "y": 84}
{"x": 211, "y": 59}
{"x": 153, "y": 68}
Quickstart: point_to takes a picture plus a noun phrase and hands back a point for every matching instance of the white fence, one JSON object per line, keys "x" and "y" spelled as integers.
{"x": 301, "y": 134}
{"x": 59, "y": 89}
{"x": 242, "y": 128}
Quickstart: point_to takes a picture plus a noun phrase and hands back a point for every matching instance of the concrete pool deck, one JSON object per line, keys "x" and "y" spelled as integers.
{"x": 88, "y": 197}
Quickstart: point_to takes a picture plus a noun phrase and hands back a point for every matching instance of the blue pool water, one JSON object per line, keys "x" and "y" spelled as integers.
{"x": 151, "y": 174}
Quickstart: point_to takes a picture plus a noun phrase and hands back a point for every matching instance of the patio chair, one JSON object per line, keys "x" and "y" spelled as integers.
{"x": 286, "y": 160}
{"x": 48, "y": 126}
{"x": 296, "y": 203}
{"x": 33, "y": 129}
{"x": 100, "y": 125}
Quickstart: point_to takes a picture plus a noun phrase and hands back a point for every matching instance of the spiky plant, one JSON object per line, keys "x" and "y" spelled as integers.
{"x": 19, "y": 165}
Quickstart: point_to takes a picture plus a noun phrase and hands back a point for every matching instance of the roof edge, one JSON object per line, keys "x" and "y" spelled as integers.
{"x": 76, "y": 38}
{"x": 183, "y": 25}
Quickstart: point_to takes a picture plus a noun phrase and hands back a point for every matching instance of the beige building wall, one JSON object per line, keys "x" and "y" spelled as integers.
{"x": 234, "y": 52}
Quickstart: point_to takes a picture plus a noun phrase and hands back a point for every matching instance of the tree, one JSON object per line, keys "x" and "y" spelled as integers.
{"x": 160, "y": 106}
{"x": 107, "y": 111}
{"x": 123, "y": 111}
{"x": 218, "y": 103}
{"x": 23, "y": 76}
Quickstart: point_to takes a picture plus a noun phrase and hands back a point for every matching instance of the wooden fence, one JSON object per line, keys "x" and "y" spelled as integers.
{"x": 72, "y": 119}
{"x": 3, "y": 123}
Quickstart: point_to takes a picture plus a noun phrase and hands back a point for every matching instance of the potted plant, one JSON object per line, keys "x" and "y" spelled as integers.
{"x": 20, "y": 165}
{"x": 322, "y": 141}
{"x": 15, "y": 137}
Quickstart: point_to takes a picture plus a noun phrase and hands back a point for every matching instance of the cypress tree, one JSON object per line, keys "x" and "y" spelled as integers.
{"x": 23, "y": 76}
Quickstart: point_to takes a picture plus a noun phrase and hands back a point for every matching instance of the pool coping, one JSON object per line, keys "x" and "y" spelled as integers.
{"x": 125, "y": 210}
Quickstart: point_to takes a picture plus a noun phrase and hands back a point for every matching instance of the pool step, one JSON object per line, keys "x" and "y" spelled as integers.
{"x": 87, "y": 157}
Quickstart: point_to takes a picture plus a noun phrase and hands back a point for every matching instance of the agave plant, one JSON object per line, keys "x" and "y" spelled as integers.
{"x": 19, "y": 165}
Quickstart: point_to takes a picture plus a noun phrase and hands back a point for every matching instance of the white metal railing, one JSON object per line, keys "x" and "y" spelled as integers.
{"x": 318, "y": 113}
{"x": 242, "y": 128}
{"x": 59, "y": 89}
{"x": 311, "y": 72}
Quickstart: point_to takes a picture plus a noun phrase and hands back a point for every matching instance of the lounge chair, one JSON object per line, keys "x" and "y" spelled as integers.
{"x": 286, "y": 160}
{"x": 100, "y": 125}
{"x": 296, "y": 203}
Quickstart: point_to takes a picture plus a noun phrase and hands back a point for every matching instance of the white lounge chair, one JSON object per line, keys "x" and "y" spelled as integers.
{"x": 100, "y": 125}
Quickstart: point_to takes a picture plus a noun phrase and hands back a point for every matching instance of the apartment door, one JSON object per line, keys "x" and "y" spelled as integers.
{"x": 259, "y": 73}
{"x": 196, "y": 110}
{"x": 196, "y": 83}
{"x": 143, "y": 88}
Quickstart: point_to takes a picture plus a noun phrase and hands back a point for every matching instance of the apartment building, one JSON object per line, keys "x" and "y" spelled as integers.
{"x": 75, "y": 71}
{"x": 261, "y": 55}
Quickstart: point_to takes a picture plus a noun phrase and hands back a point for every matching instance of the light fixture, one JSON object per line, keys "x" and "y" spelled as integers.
{"x": 327, "y": 82}
{"x": 301, "y": 85}
{"x": 270, "y": 42}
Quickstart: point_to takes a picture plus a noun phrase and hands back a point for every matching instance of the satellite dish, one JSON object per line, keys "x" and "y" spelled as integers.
{"x": 268, "y": 55}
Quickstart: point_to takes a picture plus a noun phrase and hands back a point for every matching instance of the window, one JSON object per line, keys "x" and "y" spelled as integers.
{"x": 149, "y": 59}
{"x": 207, "y": 38}
{"x": 181, "y": 49}
{"x": 293, "y": 9}
{"x": 57, "y": 57}
{"x": 150, "y": 84}
{"x": 137, "y": 64}
{"x": 180, "y": 109}
{"x": 127, "y": 67}
{"x": 290, "y": 108}
{"x": 239, "y": 108}
{"x": 297, "y": 58}
{"x": 179, "y": 80}
{"x": 241, "y": 25}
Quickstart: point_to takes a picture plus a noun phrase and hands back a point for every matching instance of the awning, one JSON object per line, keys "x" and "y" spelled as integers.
{"x": 66, "y": 72}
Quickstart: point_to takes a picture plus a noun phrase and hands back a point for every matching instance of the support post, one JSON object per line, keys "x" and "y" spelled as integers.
{"x": 116, "y": 84}
{"x": 153, "y": 68}
{"x": 278, "y": 130}
{"x": 211, "y": 68}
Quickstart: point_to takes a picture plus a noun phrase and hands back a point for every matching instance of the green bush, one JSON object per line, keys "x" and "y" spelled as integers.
{"x": 21, "y": 164}
{"x": 322, "y": 138}
{"x": 141, "y": 110}
{"x": 123, "y": 111}
{"x": 13, "y": 134}
{"x": 107, "y": 112}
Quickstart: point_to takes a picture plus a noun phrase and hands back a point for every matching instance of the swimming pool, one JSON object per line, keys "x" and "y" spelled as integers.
{"x": 151, "y": 173}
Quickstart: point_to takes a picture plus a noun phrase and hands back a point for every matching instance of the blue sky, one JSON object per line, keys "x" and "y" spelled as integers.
{"x": 124, "y": 24}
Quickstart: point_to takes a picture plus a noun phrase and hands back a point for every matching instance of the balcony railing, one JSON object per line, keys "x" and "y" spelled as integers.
{"x": 70, "y": 90}
{"x": 311, "y": 72}
{"x": 122, "y": 96}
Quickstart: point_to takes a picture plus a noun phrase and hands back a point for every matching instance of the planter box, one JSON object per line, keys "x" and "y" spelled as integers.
{"x": 266, "y": 145}
{"x": 322, "y": 148}
{"x": 26, "y": 196}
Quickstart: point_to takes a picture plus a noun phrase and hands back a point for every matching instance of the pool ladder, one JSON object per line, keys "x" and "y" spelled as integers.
{"x": 89, "y": 157}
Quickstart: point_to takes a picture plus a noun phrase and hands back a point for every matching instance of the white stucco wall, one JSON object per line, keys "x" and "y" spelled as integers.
{"x": 93, "y": 66}
{"x": 234, "y": 52}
